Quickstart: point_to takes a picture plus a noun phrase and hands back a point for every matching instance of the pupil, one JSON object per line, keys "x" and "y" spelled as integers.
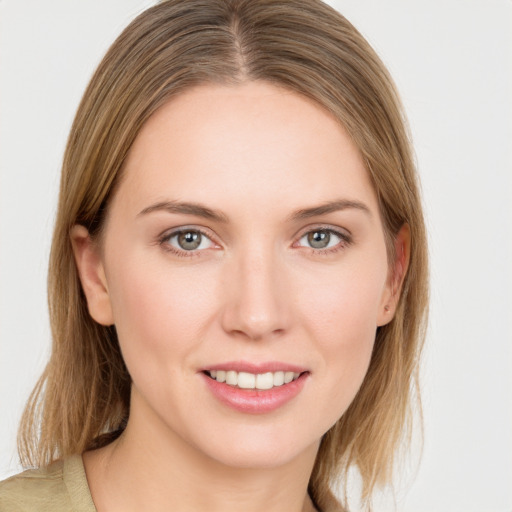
{"x": 189, "y": 240}
{"x": 319, "y": 239}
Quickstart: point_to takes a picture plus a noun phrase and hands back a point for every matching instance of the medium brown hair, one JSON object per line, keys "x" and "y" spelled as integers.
{"x": 82, "y": 399}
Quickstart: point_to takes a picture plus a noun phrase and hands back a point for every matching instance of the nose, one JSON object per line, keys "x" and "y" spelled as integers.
{"x": 256, "y": 303}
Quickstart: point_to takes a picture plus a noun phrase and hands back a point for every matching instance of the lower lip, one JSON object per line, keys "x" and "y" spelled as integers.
{"x": 255, "y": 401}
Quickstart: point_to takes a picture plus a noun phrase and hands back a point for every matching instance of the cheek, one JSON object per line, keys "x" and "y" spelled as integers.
{"x": 159, "y": 314}
{"x": 341, "y": 317}
{"x": 343, "y": 303}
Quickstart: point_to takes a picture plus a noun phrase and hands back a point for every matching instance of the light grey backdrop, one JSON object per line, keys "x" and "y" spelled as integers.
{"x": 452, "y": 61}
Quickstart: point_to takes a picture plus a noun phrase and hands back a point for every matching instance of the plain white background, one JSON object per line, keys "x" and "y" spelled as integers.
{"x": 452, "y": 61}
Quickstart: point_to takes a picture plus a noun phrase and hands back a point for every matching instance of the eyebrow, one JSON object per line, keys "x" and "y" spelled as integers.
{"x": 200, "y": 210}
{"x": 330, "y": 207}
{"x": 187, "y": 208}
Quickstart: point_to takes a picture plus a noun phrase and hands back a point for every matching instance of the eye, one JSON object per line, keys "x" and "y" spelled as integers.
{"x": 319, "y": 239}
{"x": 188, "y": 240}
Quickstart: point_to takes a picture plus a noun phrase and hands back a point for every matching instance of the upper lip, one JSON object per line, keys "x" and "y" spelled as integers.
{"x": 256, "y": 368}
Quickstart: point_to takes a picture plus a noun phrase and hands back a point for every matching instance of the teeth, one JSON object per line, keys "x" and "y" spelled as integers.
{"x": 231, "y": 378}
{"x": 265, "y": 380}
{"x": 278, "y": 378}
{"x": 245, "y": 380}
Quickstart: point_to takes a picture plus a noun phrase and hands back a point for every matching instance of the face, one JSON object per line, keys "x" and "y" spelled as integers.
{"x": 243, "y": 243}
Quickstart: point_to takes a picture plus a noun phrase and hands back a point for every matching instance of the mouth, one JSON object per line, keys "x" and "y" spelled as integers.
{"x": 255, "y": 389}
{"x": 247, "y": 380}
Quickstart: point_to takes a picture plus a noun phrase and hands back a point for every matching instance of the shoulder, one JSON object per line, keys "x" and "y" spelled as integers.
{"x": 60, "y": 487}
{"x": 34, "y": 489}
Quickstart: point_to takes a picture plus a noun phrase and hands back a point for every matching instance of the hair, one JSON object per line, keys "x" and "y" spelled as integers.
{"x": 82, "y": 399}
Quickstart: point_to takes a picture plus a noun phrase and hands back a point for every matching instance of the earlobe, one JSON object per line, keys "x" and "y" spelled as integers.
{"x": 92, "y": 275}
{"x": 396, "y": 276}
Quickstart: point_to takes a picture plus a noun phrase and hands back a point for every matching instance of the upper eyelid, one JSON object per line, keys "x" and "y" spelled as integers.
{"x": 344, "y": 232}
{"x": 345, "y": 239}
{"x": 164, "y": 240}
{"x": 168, "y": 233}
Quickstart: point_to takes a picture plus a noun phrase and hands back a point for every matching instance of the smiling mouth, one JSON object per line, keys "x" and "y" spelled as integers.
{"x": 246, "y": 380}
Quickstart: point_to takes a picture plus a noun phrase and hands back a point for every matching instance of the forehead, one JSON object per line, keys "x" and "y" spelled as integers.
{"x": 215, "y": 143}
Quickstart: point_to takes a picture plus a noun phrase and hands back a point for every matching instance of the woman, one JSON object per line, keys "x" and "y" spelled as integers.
{"x": 238, "y": 277}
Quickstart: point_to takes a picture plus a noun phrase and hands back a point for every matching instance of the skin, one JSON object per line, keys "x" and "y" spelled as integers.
{"x": 254, "y": 291}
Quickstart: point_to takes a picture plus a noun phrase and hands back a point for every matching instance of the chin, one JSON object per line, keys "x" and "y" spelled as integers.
{"x": 257, "y": 459}
{"x": 258, "y": 448}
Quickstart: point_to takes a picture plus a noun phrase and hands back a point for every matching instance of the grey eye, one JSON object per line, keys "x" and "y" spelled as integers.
{"x": 319, "y": 239}
{"x": 189, "y": 240}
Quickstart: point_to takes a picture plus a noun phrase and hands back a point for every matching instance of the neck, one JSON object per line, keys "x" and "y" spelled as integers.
{"x": 152, "y": 468}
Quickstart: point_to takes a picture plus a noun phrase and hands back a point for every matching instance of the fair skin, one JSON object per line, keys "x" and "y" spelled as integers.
{"x": 259, "y": 276}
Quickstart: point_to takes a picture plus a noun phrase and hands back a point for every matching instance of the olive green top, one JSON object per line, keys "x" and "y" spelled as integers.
{"x": 60, "y": 487}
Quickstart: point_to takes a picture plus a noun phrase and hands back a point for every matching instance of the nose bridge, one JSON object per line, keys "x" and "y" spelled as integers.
{"x": 255, "y": 303}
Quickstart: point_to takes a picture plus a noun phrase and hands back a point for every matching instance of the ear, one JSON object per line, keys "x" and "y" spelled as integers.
{"x": 396, "y": 276}
{"x": 92, "y": 275}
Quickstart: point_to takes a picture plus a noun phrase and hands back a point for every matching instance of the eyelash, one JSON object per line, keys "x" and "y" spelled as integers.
{"x": 166, "y": 237}
{"x": 345, "y": 241}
